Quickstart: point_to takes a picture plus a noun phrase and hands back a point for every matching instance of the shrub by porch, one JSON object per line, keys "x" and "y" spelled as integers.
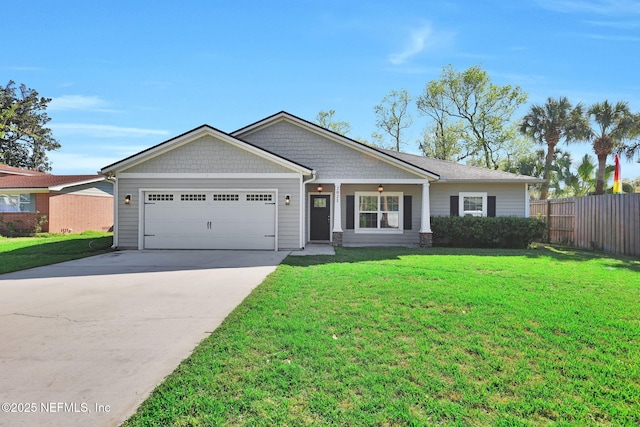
{"x": 486, "y": 232}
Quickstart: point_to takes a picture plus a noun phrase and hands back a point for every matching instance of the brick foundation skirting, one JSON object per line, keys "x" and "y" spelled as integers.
{"x": 426, "y": 240}
{"x": 337, "y": 238}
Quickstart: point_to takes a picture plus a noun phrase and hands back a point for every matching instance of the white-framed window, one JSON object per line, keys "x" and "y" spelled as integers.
{"x": 17, "y": 203}
{"x": 378, "y": 212}
{"x": 472, "y": 204}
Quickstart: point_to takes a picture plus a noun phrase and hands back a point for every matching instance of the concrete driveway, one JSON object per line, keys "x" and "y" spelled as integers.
{"x": 85, "y": 342}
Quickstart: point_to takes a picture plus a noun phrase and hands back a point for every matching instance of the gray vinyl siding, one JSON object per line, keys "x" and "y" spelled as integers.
{"x": 96, "y": 189}
{"x": 288, "y": 216}
{"x": 331, "y": 159}
{"x": 408, "y": 237}
{"x": 510, "y": 198}
{"x": 207, "y": 155}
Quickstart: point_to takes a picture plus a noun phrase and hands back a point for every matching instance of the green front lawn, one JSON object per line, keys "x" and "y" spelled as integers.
{"x": 19, "y": 253}
{"x": 413, "y": 337}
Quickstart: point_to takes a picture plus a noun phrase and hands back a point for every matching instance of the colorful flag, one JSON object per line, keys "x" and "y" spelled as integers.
{"x": 617, "y": 178}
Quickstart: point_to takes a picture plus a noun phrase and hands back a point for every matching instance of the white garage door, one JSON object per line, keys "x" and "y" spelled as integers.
{"x": 210, "y": 220}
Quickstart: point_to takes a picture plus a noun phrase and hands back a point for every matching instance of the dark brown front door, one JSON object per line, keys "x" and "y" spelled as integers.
{"x": 320, "y": 211}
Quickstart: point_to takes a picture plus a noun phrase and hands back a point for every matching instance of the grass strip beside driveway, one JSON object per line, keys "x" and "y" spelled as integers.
{"x": 20, "y": 253}
{"x": 382, "y": 336}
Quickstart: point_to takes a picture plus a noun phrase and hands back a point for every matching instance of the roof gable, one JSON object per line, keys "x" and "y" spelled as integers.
{"x": 194, "y": 135}
{"x": 379, "y": 156}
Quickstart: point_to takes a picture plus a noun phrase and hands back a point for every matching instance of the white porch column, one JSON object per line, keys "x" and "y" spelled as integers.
{"x": 425, "y": 220}
{"x": 337, "y": 209}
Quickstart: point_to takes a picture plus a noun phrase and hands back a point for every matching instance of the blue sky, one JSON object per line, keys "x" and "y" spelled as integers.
{"x": 126, "y": 75}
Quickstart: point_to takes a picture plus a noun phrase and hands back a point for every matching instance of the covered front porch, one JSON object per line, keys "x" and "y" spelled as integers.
{"x": 367, "y": 212}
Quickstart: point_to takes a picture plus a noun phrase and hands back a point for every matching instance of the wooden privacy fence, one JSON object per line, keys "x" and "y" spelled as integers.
{"x": 608, "y": 223}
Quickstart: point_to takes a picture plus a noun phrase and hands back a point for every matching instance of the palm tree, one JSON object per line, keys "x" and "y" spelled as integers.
{"x": 614, "y": 124}
{"x": 587, "y": 177}
{"x": 562, "y": 180}
{"x": 633, "y": 147}
{"x": 547, "y": 124}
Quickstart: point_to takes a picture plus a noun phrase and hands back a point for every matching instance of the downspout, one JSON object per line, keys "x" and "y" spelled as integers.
{"x": 303, "y": 205}
{"x": 112, "y": 178}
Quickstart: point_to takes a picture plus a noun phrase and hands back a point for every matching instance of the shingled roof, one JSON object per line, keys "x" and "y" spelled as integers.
{"x": 456, "y": 172}
{"x": 46, "y": 181}
{"x": 11, "y": 170}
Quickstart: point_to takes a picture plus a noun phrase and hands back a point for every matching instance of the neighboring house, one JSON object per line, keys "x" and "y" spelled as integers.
{"x": 56, "y": 203}
{"x": 283, "y": 182}
{"x": 6, "y": 170}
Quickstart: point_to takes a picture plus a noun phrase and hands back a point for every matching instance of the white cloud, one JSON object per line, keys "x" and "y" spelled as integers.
{"x": 78, "y": 164}
{"x": 421, "y": 40}
{"x": 600, "y": 7}
{"x": 613, "y": 38}
{"x": 618, "y": 25}
{"x": 80, "y": 102}
{"x": 24, "y": 68}
{"x": 105, "y": 131}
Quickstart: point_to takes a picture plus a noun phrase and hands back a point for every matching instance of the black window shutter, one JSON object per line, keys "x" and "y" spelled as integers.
{"x": 491, "y": 205}
{"x": 350, "y": 211}
{"x": 407, "y": 213}
{"x": 453, "y": 206}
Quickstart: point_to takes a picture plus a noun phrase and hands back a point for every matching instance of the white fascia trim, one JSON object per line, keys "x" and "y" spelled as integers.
{"x": 192, "y": 136}
{"x": 209, "y": 175}
{"x": 490, "y": 181}
{"x": 75, "y": 184}
{"x": 341, "y": 140}
{"x": 383, "y": 181}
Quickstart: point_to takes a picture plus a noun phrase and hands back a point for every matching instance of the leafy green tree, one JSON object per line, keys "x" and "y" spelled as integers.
{"x": 531, "y": 164}
{"x": 24, "y": 137}
{"x": 550, "y": 123}
{"x": 481, "y": 108}
{"x": 440, "y": 141}
{"x": 325, "y": 119}
{"x": 612, "y": 126}
{"x": 392, "y": 116}
{"x": 6, "y": 114}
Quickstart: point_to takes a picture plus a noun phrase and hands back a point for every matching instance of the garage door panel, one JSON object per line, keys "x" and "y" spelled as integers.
{"x": 177, "y": 241}
{"x": 209, "y": 220}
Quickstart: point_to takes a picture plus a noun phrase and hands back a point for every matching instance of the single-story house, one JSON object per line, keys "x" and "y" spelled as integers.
{"x": 6, "y": 170}
{"x": 57, "y": 203}
{"x": 283, "y": 182}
